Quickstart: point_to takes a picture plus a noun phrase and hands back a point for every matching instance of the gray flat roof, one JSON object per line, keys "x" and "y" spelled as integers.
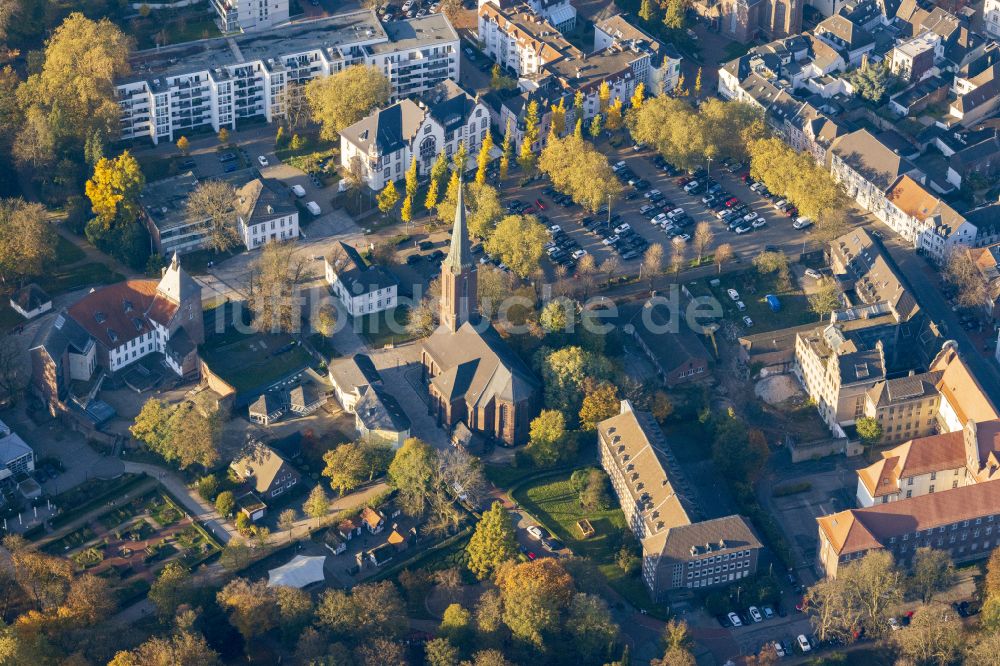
{"x": 346, "y": 28}
{"x": 424, "y": 31}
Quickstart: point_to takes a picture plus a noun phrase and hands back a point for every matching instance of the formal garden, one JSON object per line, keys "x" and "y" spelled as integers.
{"x": 131, "y": 540}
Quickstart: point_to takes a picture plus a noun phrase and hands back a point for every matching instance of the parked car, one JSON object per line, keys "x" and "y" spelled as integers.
{"x": 313, "y": 208}
{"x": 622, "y": 228}
{"x": 743, "y": 229}
{"x": 778, "y": 649}
{"x": 813, "y": 273}
{"x": 646, "y": 209}
{"x": 748, "y": 322}
{"x": 757, "y": 224}
{"x": 611, "y": 240}
{"x": 751, "y": 216}
{"x": 653, "y": 194}
{"x": 579, "y": 254}
{"x": 734, "y": 619}
{"x": 755, "y": 614}
{"x": 733, "y": 294}
{"x": 741, "y": 306}
{"x": 298, "y": 190}
{"x": 804, "y": 643}
{"x": 555, "y": 229}
{"x": 262, "y": 160}
{"x": 692, "y": 187}
{"x": 768, "y": 612}
{"x": 537, "y": 531}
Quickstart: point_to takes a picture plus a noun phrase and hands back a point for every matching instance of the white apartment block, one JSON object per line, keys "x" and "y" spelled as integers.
{"x": 221, "y": 82}
{"x": 264, "y": 214}
{"x": 991, "y": 18}
{"x": 249, "y": 15}
{"x": 388, "y": 139}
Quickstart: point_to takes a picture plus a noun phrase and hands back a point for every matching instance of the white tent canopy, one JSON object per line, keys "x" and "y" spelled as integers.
{"x": 301, "y": 571}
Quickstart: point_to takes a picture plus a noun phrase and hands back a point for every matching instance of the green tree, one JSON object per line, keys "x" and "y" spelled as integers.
{"x": 646, "y": 11}
{"x": 286, "y": 521}
{"x": 565, "y": 372}
{"x": 440, "y": 652}
{"x": 577, "y": 168}
{"x": 492, "y": 543}
{"x": 225, "y": 503}
{"x": 535, "y": 595}
{"x": 593, "y": 631}
{"x": 675, "y": 17}
{"x": 345, "y": 467}
{"x": 934, "y": 636}
{"x": 774, "y": 262}
{"x": 388, "y": 198}
{"x": 171, "y": 588}
{"x": 406, "y": 212}
{"x": 412, "y": 179}
{"x": 251, "y": 607}
{"x": 346, "y": 97}
{"x": 869, "y": 430}
{"x": 223, "y": 135}
{"x": 596, "y": 126}
{"x": 483, "y": 159}
{"x": 519, "y": 242}
{"x": 873, "y": 81}
{"x": 932, "y": 572}
{"x": 456, "y": 625}
{"x": 548, "y": 435}
{"x": 526, "y": 156}
{"x": 412, "y": 473}
{"x": 208, "y": 487}
{"x": 600, "y": 402}
{"x": 317, "y": 504}
{"x": 825, "y": 299}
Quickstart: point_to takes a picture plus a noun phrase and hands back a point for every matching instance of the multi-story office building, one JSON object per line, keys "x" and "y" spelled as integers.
{"x": 249, "y": 15}
{"x": 679, "y": 551}
{"x": 222, "y": 82}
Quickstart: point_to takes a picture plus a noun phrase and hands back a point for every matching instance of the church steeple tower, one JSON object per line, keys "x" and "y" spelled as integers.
{"x": 458, "y": 273}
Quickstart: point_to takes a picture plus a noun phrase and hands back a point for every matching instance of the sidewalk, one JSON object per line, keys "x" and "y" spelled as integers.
{"x": 345, "y": 503}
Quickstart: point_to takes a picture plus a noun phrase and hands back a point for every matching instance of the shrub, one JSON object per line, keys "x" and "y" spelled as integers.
{"x": 791, "y": 489}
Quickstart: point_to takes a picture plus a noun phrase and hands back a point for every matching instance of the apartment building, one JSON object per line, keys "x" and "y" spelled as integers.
{"x": 679, "y": 551}
{"x": 664, "y": 63}
{"x": 904, "y": 407}
{"x": 222, "y": 82}
{"x": 867, "y": 168}
{"x": 362, "y": 288}
{"x": 388, "y": 139}
{"x": 991, "y": 18}
{"x": 963, "y": 522}
{"x": 925, "y": 220}
{"x": 249, "y": 15}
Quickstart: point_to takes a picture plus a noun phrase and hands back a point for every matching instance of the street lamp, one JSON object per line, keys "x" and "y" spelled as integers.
{"x": 708, "y": 170}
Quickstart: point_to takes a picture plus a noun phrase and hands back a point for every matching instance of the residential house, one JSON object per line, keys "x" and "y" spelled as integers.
{"x": 978, "y": 161}
{"x": 904, "y": 407}
{"x": 867, "y": 168}
{"x": 350, "y": 377}
{"x": 991, "y": 18}
{"x": 987, "y": 262}
{"x": 961, "y": 522}
{"x": 114, "y": 326}
{"x": 305, "y": 398}
{"x": 849, "y": 38}
{"x": 361, "y": 287}
{"x": 16, "y": 457}
{"x": 267, "y": 409}
{"x": 372, "y": 519}
{"x": 664, "y": 63}
{"x": 925, "y": 220}
{"x": 30, "y": 301}
{"x": 679, "y": 551}
{"x": 228, "y": 80}
{"x": 677, "y": 353}
{"x": 378, "y": 417}
{"x": 977, "y": 97}
{"x": 350, "y": 528}
{"x": 386, "y": 141}
{"x": 263, "y": 471}
{"x": 265, "y": 213}
{"x": 913, "y": 59}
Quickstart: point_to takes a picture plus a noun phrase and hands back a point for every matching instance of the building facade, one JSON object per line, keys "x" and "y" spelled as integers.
{"x": 679, "y": 551}
{"x": 249, "y": 15}
{"x": 360, "y": 287}
{"x": 224, "y": 81}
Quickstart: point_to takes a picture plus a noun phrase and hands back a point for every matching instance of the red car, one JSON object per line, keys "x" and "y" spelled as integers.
{"x": 683, "y": 180}
{"x": 746, "y": 178}
{"x": 792, "y": 212}
{"x": 732, "y": 202}
{"x": 541, "y": 206}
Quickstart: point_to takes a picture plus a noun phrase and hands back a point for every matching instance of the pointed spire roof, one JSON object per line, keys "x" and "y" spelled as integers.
{"x": 176, "y": 284}
{"x": 459, "y": 256}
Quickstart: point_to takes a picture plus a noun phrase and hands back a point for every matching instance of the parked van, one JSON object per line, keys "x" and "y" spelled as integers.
{"x": 313, "y": 208}
{"x": 298, "y": 190}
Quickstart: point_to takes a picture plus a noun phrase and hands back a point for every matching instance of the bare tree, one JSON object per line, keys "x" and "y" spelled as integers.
{"x": 215, "y": 201}
{"x": 292, "y": 106}
{"x": 963, "y": 274}
{"x": 677, "y": 259}
{"x": 723, "y": 253}
{"x": 703, "y": 237}
{"x": 652, "y": 262}
{"x": 610, "y": 266}
{"x": 273, "y": 282}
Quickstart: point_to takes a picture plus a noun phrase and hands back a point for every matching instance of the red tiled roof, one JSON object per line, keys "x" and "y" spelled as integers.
{"x": 115, "y": 314}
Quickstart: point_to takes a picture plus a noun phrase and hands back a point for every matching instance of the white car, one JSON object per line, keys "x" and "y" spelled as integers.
{"x": 646, "y": 209}
{"x": 534, "y": 531}
{"x": 745, "y": 229}
{"x": 757, "y": 224}
{"x": 803, "y": 643}
{"x": 751, "y": 216}
{"x": 407, "y": 5}
{"x": 748, "y": 322}
{"x": 733, "y": 294}
{"x": 781, "y": 202}
{"x": 660, "y": 219}
{"x": 637, "y": 147}
{"x": 813, "y": 273}
{"x": 298, "y": 190}
{"x": 778, "y": 650}
{"x": 735, "y": 619}
{"x": 653, "y": 194}
{"x": 692, "y": 186}
{"x": 554, "y": 229}
{"x": 262, "y": 160}
{"x": 611, "y": 240}
{"x": 619, "y": 166}
{"x": 894, "y": 624}
{"x": 722, "y": 213}
{"x": 579, "y": 254}
{"x": 675, "y": 213}
{"x": 621, "y": 228}
{"x": 755, "y": 614}
{"x": 681, "y": 238}
{"x": 551, "y": 250}
{"x": 741, "y": 306}
{"x": 313, "y": 208}
{"x": 802, "y": 223}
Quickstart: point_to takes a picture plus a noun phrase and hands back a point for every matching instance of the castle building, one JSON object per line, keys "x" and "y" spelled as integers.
{"x": 472, "y": 376}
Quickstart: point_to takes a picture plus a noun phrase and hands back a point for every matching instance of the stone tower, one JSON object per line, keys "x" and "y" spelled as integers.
{"x": 458, "y": 274}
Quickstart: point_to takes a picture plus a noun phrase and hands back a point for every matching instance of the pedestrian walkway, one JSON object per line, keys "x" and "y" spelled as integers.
{"x": 345, "y": 503}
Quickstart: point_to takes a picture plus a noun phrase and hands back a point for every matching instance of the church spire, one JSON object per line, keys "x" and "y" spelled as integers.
{"x": 459, "y": 256}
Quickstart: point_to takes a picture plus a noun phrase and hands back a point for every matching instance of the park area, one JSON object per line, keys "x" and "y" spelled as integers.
{"x": 555, "y": 502}
{"x": 132, "y": 539}
{"x": 254, "y": 361}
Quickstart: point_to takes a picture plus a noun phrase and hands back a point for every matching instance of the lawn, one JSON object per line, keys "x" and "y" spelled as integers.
{"x": 258, "y": 360}
{"x": 67, "y": 252}
{"x": 157, "y": 168}
{"x": 379, "y": 331}
{"x": 554, "y": 502}
{"x": 753, "y": 287}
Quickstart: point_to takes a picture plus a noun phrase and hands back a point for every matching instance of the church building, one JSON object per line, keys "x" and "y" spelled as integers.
{"x": 473, "y": 377}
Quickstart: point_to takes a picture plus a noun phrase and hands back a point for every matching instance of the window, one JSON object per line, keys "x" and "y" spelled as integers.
{"x": 909, "y": 481}
{"x": 933, "y": 475}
